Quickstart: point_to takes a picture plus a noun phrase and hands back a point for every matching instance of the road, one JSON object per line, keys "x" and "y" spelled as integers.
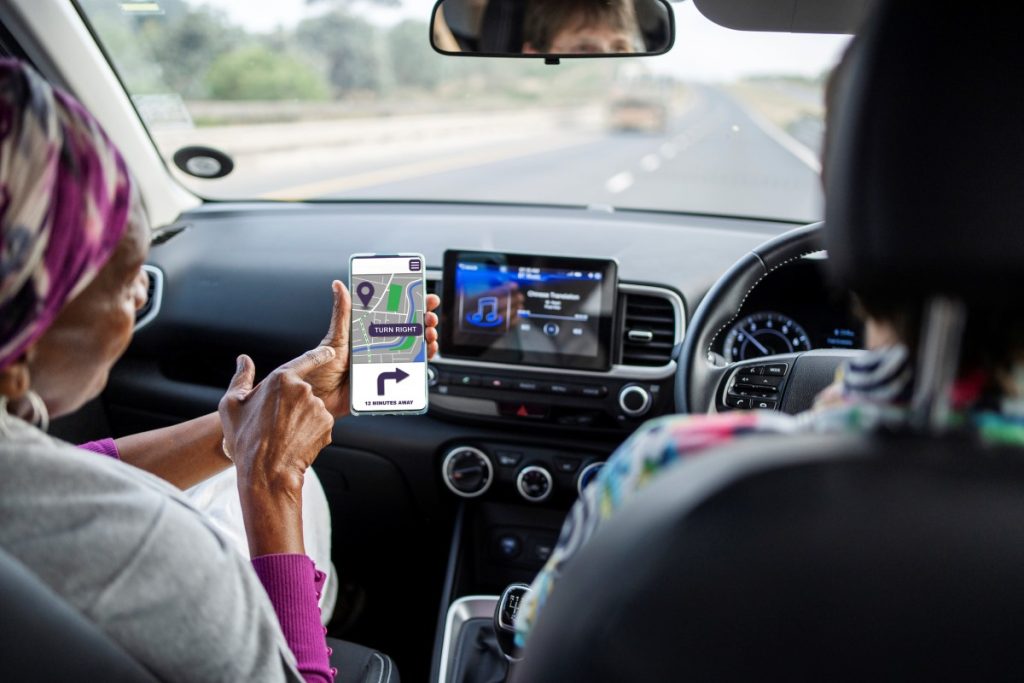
{"x": 716, "y": 157}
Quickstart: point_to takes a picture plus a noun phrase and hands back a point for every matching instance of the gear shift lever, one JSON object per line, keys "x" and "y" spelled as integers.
{"x": 505, "y": 618}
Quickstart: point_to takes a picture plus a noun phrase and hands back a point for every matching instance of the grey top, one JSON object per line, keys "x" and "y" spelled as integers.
{"x": 130, "y": 553}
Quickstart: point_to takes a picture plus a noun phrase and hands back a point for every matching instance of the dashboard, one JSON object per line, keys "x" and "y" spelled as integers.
{"x": 474, "y": 492}
{"x": 253, "y": 278}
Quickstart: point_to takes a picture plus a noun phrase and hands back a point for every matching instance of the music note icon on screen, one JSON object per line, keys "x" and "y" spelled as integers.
{"x": 486, "y": 314}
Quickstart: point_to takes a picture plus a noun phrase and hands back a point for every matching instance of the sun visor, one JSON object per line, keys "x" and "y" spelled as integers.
{"x": 788, "y": 16}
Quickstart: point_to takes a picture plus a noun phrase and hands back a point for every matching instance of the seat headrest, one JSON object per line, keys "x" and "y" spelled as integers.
{"x": 925, "y": 168}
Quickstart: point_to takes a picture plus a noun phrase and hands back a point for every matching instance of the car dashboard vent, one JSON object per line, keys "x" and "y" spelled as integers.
{"x": 149, "y": 310}
{"x": 648, "y": 329}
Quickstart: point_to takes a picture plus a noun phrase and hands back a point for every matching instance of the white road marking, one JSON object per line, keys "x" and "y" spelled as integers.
{"x": 650, "y": 163}
{"x": 619, "y": 182}
{"x": 784, "y": 139}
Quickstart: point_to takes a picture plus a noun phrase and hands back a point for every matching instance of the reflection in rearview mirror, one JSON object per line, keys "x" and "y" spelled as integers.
{"x": 552, "y": 28}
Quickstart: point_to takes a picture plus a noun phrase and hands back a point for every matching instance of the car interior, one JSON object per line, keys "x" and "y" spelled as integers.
{"x": 700, "y": 311}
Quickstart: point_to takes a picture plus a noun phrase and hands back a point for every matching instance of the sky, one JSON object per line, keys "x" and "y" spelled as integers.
{"x": 703, "y": 50}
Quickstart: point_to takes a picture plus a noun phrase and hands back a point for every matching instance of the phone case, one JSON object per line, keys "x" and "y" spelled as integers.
{"x": 352, "y": 339}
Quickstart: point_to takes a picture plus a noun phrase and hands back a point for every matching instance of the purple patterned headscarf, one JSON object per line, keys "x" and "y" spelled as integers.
{"x": 64, "y": 202}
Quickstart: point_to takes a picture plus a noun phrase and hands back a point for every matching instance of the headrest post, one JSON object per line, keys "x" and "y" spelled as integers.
{"x": 938, "y": 361}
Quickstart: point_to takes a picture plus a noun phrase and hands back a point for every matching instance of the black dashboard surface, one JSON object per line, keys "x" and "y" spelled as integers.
{"x": 244, "y": 268}
{"x": 255, "y": 278}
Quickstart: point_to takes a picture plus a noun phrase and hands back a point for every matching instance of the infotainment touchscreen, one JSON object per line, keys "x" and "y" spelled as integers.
{"x": 534, "y": 310}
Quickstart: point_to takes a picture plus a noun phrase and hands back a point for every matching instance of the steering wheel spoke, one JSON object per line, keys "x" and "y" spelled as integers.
{"x": 755, "y": 384}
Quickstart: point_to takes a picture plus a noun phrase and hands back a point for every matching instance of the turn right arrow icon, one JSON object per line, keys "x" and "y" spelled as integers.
{"x": 398, "y": 375}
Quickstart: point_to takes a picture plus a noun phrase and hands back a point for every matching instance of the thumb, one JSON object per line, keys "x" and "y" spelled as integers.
{"x": 341, "y": 315}
{"x": 241, "y": 383}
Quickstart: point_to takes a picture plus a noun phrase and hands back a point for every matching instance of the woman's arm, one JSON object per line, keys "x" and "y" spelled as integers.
{"x": 293, "y": 585}
{"x": 184, "y": 454}
{"x": 273, "y": 432}
{"x": 190, "y": 452}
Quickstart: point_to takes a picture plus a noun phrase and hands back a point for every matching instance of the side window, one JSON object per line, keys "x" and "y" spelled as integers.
{"x": 9, "y": 46}
{"x": 17, "y": 42}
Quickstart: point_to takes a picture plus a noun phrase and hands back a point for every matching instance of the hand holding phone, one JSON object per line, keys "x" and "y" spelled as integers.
{"x": 388, "y": 350}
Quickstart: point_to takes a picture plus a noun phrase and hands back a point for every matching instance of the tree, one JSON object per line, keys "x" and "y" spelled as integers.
{"x": 185, "y": 42}
{"x": 413, "y": 61}
{"x": 255, "y": 72}
{"x": 350, "y": 48}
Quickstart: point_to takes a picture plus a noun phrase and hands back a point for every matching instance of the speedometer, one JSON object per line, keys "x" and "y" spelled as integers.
{"x": 764, "y": 334}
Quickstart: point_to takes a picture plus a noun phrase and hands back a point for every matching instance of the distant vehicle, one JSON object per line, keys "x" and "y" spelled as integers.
{"x": 640, "y": 114}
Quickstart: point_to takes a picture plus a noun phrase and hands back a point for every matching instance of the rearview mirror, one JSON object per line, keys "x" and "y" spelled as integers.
{"x": 552, "y": 29}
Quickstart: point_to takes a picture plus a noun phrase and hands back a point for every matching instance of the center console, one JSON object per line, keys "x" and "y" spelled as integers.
{"x": 557, "y": 362}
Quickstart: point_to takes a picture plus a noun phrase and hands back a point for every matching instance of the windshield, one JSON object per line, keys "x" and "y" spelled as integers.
{"x": 345, "y": 99}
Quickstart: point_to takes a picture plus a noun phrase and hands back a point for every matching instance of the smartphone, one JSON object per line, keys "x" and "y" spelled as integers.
{"x": 388, "y": 362}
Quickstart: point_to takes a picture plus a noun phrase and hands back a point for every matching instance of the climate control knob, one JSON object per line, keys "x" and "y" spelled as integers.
{"x": 534, "y": 483}
{"x": 634, "y": 400}
{"x": 467, "y": 471}
{"x": 587, "y": 475}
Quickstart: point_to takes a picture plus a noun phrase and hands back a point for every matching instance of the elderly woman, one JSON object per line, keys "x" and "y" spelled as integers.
{"x": 119, "y": 542}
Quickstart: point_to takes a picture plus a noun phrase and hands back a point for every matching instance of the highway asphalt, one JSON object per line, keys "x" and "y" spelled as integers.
{"x": 715, "y": 157}
{"x": 718, "y": 157}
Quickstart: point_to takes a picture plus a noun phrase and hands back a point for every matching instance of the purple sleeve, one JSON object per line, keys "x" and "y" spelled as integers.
{"x": 293, "y": 583}
{"x": 103, "y": 447}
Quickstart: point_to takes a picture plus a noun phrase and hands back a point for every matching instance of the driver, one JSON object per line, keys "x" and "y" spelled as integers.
{"x": 870, "y": 392}
{"x": 580, "y": 27}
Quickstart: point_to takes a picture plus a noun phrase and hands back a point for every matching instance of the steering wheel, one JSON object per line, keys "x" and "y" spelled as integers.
{"x": 702, "y": 379}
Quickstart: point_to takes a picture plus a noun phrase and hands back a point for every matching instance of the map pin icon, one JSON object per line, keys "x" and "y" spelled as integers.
{"x": 365, "y": 292}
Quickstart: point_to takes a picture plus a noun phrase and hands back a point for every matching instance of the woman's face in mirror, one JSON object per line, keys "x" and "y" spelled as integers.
{"x": 596, "y": 38}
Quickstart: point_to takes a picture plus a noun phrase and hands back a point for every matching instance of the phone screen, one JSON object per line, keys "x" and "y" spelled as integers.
{"x": 389, "y": 353}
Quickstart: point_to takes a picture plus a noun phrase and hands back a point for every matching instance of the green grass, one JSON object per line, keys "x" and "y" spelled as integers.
{"x": 394, "y": 297}
{"x": 407, "y": 344}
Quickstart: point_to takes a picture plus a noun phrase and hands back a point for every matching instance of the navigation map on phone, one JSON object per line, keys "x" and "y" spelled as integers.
{"x": 388, "y": 349}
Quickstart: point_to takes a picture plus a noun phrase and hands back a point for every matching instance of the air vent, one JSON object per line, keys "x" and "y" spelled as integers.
{"x": 148, "y": 312}
{"x": 648, "y": 330}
